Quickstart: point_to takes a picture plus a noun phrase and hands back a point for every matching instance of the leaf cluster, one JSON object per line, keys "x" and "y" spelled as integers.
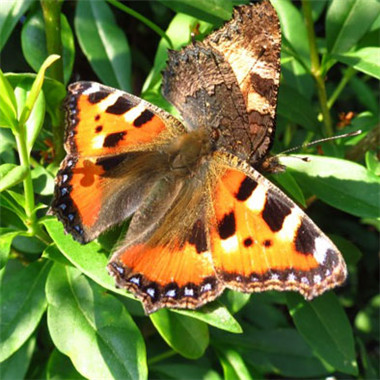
{"x": 61, "y": 315}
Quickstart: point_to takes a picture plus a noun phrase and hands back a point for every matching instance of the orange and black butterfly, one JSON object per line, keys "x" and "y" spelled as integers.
{"x": 203, "y": 217}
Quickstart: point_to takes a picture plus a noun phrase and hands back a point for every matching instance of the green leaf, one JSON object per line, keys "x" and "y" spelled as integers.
{"x": 293, "y": 106}
{"x": 36, "y": 89}
{"x": 295, "y": 44}
{"x": 185, "y": 335}
{"x": 287, "y": 182}
{"x": 213, "y": 11}
{"x": 347, "y": 21}
{"x": 11, "y": 175}
{"x": 33, "y": 43}
{"x": 36, "y": 119}
{"x": 366, "y": 60}
{"x": 181, "y": 371}
{"x": 372, "y": 162}
{"x": 43, "y": 181}
{"x": 23, "y": 303}
{"x": 59, "y": 366}
{"x": 8, "y": 104}
{"x": 233, "y": 365}
{"x": 103, "y": 43}
{"x": 15, "y": 366}
{"x": 6, "y": 238}
{"x": 54, "y": 91}
{"x": 277, "y": 351}
{"x": 103, "y": 329}
{"x": 325, "y": 326}
{"x": 10, "y": 13}
{"x": 342, "y": 184}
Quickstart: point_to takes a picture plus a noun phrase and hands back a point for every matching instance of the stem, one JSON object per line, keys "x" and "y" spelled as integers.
{"x": 161, "y": 357}
{"x": 342, "y": 84}
{"x": 52, "y": 17}
{"x": 316, "y": 69}
{"x": 34, "y": 229}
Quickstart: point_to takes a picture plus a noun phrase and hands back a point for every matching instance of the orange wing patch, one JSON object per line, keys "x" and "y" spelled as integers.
{"x": 104, "y": 121}
{"x": 175, "y": 276}
{"x": 261, "y": 240}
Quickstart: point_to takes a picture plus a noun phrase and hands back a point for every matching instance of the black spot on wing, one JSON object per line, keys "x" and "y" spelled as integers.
{"x": 246, "y": 189}
{"x": 198, "y": 237}
{"x": 227, "y": 226}
{"x": 113, "y": 139}
{"x": 121, "y": 106}
{"x": 144, "y": 117}
{"x": 97, "y": 96}
{"x": 275, "y": 211}
{"x": 305, "y": 237}
{"x": 109, "y": 163}
{"x": 98, "y": 129}
{"x": 248, "y": 242}
{"x": 267, "y": 243}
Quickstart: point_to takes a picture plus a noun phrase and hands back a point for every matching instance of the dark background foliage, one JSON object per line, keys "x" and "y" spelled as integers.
{"x": 61, "y": 314}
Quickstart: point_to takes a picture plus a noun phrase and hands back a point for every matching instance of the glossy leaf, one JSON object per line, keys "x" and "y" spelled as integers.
{"x": 103, "y": 43}
{"x": 102, "y": 327}
{"x": 10, "y": 13}
{"x": 233, "y": 365}
{"x": 293, "y": 106}
{"x": 325, "y": 326}
{"x": 35, "y": 121}
{"x": 16, "y": 366}
{"x": 274, "y": 351}
{"x": 59, "y": 366}
{"x": 6, "y": 238}
{"x": 33, "y": 42}
{"x": 8, "y": 104}
{"x": 342, "y": 184}
{"x": 366, "y": 60}
{"x": 344, "y": 22}
{"x": 185, "y": 335}
{"x": 11, "y": 175}
{"x": 23, "y": 303}
{"x": 296, "y": 45}
{"x": 213, "y": 11}
{"x": 36, "y": 89}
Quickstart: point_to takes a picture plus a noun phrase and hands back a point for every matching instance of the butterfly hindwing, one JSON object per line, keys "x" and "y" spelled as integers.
{"x": 165, "y": 259}
{"x": 261, "y": 240}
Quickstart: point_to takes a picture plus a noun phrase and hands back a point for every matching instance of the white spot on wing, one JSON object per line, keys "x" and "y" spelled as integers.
{"x": 257, "y": 199}
{"x": 151, "y": 292}
{"x": 322, "y": 245}
{"x": 134, "y": 113}
{"x": 97, "y": 142}
{"x": 290, "y": 225}
{"x": 274, "y": 277}
{"x": 170, "y": 293}
{"x": 317, "y": 278}
{"x": 231, "y": 244}
{"x": 110, "y": 100}
{"x": 94, "y": 88}
{"x": 135, "y": 280}
{"x": 291, "y": 277}
{"x": 188, "y": 292}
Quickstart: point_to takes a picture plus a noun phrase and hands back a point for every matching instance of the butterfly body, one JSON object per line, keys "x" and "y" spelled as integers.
{"x": 204, "y": 219}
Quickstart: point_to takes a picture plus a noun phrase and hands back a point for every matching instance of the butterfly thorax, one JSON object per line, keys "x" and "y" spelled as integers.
{"x": 188, "y": 152}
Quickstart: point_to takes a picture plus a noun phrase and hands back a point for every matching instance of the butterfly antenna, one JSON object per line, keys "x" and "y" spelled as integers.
{"x": 356, "y": 133}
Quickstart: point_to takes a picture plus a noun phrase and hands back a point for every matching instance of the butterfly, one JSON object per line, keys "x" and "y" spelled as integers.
{"x": 203, "y": 217}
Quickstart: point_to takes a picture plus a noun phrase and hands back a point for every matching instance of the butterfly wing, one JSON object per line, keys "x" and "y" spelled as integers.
{"x": 261, "y": 240}
{"x": 113, "y": 157}
{"x": 229, "y": 82}
{"x": 166, "y": 260}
